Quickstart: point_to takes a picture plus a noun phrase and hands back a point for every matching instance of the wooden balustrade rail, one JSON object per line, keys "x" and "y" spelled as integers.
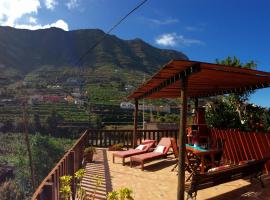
{"x": 68, "y": 165}
{"x": 106, "y": 138}
{"x": 156, "y": 134}
{"x": 72, "y": 160}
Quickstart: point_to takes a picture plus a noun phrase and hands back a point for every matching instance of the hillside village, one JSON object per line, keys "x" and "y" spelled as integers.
{"x": 134, "y": 100}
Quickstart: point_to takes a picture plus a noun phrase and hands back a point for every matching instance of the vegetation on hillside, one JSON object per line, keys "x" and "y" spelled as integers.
{"x": 46, "y": 151}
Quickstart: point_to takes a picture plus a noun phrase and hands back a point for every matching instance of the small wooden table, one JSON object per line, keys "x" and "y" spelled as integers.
{"x": 202, "y": 153}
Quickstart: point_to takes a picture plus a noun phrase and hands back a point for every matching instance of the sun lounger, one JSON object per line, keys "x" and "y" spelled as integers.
{"x": 139, "y": 150}
{"x": 160, "y": 152}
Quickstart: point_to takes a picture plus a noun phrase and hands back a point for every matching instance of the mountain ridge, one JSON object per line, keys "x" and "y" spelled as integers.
{"x": 27, "y": 50}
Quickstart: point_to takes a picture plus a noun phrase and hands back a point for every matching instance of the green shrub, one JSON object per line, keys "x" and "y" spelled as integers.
{"x": 121, "y": 194}
{"x": 65, "y": 188}
{"x": 10, "y": 191}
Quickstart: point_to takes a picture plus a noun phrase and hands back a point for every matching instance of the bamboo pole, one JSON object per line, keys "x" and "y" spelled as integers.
{"x": 182, "y": 141}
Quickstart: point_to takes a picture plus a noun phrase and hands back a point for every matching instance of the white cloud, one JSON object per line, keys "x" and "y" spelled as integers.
{"x": 12, "y": 10}
{"x": 71, "y": 4}
{"x": 166, "y": 40}
{"x": 172, "y": 39}
{"x": 32, "y": 20}
{"x": 58, "y": 24}
{"x": 50, "y": 4}
{"x": 164, "y": 21}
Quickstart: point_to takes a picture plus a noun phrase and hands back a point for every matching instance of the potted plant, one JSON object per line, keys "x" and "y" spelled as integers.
{"x": 116, "y": 147}
{"x": 88, "y": 154}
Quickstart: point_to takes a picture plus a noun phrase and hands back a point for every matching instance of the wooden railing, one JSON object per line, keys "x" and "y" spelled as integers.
{"x": 106, "y": 138}
{"x": 72, "y": 160}
{"x": 70, "y": 163}
{"x": 156, "y": 134}
{"x": 240, "y": 145}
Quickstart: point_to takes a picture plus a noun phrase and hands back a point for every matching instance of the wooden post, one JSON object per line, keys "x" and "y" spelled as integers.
{"x": 182, "y": 141}
{"x": 71, "y": 162}
{"x": 134, "y": 143}
{"x": 195, "y": 115}
{"x": 196, "y": 103}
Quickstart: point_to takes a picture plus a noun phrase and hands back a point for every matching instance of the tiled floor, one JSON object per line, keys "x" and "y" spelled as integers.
{"x": 157, "y": 182}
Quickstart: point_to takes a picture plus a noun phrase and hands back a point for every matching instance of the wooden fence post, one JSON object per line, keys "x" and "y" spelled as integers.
{"x": 71, "y": 162}
{"x": 134, "y": 138}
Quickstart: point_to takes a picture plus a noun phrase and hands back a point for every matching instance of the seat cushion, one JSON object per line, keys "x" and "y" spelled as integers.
{"x": 148, "y": 141}
{"x": 128, "y": 153}
{"x": 214, "y": 169}
{"x": 147, "y": 156}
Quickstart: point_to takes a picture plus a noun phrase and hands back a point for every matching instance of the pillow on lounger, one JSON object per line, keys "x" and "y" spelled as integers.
{"x": 160, "y": 149}
{"x": 140, "y": 147}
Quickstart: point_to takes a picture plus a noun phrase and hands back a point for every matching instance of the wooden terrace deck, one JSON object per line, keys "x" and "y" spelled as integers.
{"x": 159, "y": 183}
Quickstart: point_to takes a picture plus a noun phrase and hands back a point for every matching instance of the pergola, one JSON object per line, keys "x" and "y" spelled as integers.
{"x": 182, "y": 78}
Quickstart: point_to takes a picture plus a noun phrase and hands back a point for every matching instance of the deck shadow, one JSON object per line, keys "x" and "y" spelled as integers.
{"x": 98, "y": 170}
{"x": 252, "y": 191}
{"x": 154, "y": 165}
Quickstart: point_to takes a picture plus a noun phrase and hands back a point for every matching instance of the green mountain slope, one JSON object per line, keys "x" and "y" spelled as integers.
{"x": 47, "y": 57}
{"x": 26, "y": 50}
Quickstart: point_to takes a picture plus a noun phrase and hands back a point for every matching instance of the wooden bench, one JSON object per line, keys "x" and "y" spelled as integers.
{"x": 210, "y": 179}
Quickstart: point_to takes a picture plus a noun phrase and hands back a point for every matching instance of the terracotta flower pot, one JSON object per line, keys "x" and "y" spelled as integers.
{"x": 88, "y": 157}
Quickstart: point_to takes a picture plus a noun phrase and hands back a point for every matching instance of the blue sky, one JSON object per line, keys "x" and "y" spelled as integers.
{"x": 202, "y": 29}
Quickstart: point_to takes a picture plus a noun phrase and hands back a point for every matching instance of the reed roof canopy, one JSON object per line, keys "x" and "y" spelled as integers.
{"x": 204, "y": 79}
{"x": 183, "y": 78}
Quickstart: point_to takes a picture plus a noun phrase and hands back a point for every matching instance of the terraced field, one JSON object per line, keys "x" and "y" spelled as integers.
{"x": 68, "y": 111}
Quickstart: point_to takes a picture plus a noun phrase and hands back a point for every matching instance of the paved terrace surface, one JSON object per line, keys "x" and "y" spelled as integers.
{"x": 157, "y": 182}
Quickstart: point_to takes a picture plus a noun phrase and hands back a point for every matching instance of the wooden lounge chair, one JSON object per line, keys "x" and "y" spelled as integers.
{"x": 201, "y": 181}
{"x": 125, "y": 154}
{"x": 146, "y": 157}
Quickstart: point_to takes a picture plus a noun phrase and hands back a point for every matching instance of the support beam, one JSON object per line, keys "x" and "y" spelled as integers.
{"x": 169, "y": 81}
{"x": 195, "y": 116}
{"x": 182, "y": 141}
{"x": 134, "y": 138}
{"x": 196, "y": 103}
